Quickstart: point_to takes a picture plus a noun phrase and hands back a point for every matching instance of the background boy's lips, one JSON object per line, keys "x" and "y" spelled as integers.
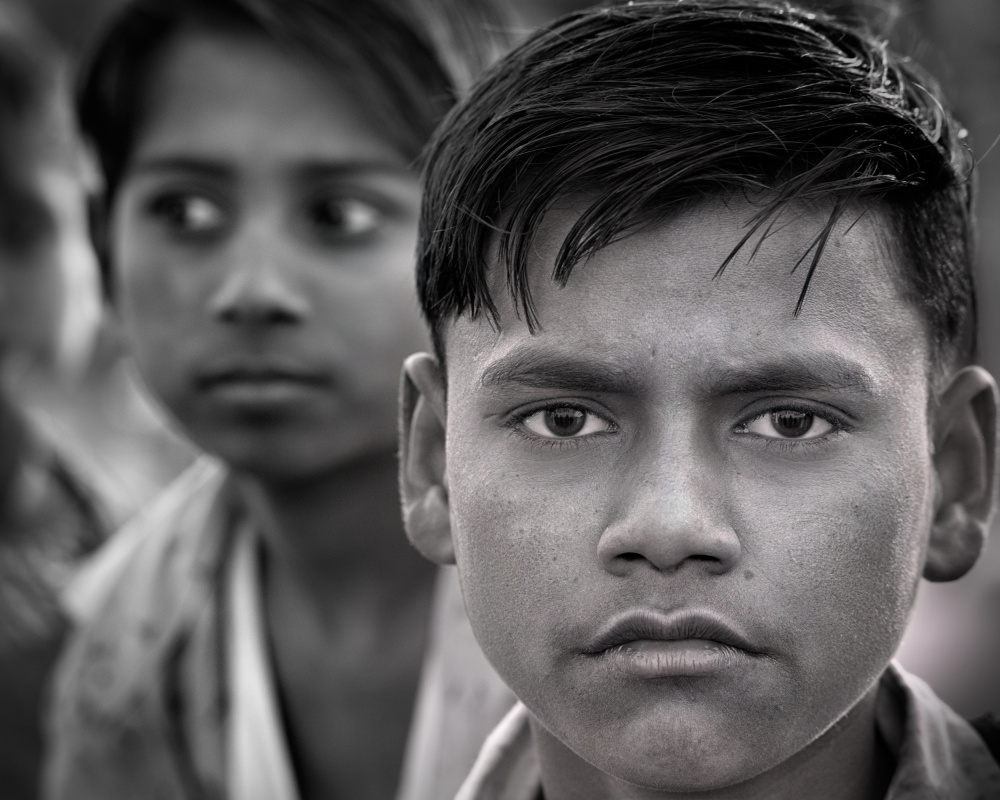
{"x": 651, "y": 625}
{"x": 259, "y": 372}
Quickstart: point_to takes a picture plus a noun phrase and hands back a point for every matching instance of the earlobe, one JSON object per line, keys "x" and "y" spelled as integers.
{"x": 422, "y": 476}
{"x": 965, "y": 459}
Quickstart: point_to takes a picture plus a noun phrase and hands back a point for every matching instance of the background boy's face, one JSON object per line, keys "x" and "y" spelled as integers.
{"x": 43, "y": 235}
{"x": 263, "y": 241}
{"x": 672, "y": 456}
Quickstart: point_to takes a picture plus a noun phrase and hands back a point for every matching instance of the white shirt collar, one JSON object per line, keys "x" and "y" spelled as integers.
{"x": 259, "y": 767}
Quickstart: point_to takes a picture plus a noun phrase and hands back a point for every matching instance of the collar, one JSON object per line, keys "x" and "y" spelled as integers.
{"x": 939, "y": 755}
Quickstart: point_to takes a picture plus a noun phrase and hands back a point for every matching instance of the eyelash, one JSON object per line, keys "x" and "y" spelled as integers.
{"x": 516, "y": 426}
{"x": 839, "y": 423}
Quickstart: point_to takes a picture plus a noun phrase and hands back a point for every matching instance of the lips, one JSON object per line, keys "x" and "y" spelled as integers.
{"x": 648, "y": 644}
{"x": 260, "y": 386}
{"x": 258, "y": 373}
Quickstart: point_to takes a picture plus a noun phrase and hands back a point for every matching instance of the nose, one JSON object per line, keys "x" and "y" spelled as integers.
{"x": 259, "y": 287}
{"x": 674, "y": 517}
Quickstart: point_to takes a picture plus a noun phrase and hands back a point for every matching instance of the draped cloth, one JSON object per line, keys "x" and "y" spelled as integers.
{"x": 139, "y": 706}
{"x": 166, "y": 690}
{"x": 50, "y": 520}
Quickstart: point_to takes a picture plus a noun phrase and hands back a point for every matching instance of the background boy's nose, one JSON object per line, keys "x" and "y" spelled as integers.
{"x": 258, "y": 289}
{"x": 673, "y": 521}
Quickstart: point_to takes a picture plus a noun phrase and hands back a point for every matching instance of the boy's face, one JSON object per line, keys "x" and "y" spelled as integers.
{"x": 689, "y": 525}
{"x": 263, "y": 240}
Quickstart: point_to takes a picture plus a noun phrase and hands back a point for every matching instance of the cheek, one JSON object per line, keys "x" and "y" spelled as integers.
{"x": 31, "y": 299}
{"x": 523, "y": 557}
{"x": 371, "y": 318}
{"x": 161, "y": 322}
{"x": 848, "y": 562}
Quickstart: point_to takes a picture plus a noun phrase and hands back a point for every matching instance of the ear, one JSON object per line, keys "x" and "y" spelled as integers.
{"x": 422, "y": 479}
{"x": 965, "y": 457}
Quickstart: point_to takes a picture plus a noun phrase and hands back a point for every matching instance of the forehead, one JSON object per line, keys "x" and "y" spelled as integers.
{"x": 240, "y": 94}
{"x": 651, "y": 310}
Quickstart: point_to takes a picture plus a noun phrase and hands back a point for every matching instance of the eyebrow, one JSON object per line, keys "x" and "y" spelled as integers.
{"x": 793, "y": 372}
{"x": 555, "y": 370}
{"x": 796, "y": 372}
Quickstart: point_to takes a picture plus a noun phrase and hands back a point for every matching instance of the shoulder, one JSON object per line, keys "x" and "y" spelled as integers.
{"x": 988, "y": 727}
{"x": 112, "y": 717}
{"x": 939, "y": 754}
{"x": 173, "y": 528}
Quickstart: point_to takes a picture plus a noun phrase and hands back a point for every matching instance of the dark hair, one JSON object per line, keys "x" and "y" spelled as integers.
{"x": 31, "y": 67}
{"x": 407, "y": 59}
{"x": 644, "y": 109}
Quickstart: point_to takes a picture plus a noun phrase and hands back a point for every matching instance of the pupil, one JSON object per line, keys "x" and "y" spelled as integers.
{"x": 791, "y": 423}
{"x": 565, "y": 421}
{"x": 330, "y": 214}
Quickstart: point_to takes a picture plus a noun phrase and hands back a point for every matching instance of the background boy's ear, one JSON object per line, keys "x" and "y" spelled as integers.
{"x": 965, "y": 458}
{"x": 422, "y": 479}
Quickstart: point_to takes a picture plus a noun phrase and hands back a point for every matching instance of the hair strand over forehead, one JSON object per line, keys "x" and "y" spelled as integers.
{"x": 643, "y": 110}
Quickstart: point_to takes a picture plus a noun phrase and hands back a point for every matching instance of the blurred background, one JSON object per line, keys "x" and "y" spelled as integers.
{"x": 954, "y": 639}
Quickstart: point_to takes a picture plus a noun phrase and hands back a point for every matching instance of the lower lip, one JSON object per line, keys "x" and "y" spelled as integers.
{"x": 657, "y": 658}
{"x": 268, "y": 392}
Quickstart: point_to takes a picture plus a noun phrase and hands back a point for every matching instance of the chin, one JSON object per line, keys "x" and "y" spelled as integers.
{"x": 678, "y": 755}
{"x": 289, "y": 458}
{"x": 706, "y": 769}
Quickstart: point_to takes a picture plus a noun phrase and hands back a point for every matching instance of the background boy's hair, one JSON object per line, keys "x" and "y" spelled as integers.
{"x": 32, "y": 73}
{"x": 406, "y": 60}
{"x": 642, "y": 110}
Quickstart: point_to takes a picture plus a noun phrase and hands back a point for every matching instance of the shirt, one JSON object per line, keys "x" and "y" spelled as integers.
{"x": 167, "y": 691}
{"x": 50, "y": 519}
{"x": 939, "y": 756}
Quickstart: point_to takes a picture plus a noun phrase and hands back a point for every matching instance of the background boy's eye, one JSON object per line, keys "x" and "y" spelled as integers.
{"x": 344, "y": 217}
{"x": 788, "y": 423}
{"x": 188, "y": 213}
{"x": 564, "y": 422}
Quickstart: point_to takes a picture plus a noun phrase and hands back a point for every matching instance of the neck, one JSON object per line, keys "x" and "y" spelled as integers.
{"x": 336, "y": 530}
{"x": 849, "y": 761}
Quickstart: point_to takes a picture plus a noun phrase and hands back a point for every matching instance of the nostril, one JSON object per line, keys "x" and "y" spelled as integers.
{"x": 630, "y": 557}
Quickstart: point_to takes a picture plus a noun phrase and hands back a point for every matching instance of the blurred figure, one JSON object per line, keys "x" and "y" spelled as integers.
{"x": 259, "y": 630}
{"x": 49, "y": 519}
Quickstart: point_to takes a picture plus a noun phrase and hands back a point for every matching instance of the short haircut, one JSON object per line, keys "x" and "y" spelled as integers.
{"x": 406, "y": 60}
{"x": 644, "y": 109}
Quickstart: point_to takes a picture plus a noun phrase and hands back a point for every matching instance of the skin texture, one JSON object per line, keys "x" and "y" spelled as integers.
{"x": 262, "y": 242}
{"x": 265, "y": 223}
{"x": 679, "y": 495}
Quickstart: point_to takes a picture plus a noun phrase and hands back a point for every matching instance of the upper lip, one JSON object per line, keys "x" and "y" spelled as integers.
{"x": 655, "y": 625}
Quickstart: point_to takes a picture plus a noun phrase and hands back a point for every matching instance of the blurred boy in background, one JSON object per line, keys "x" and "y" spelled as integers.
{"x": 259, "y": 631}
{"x": 49, "y": 518}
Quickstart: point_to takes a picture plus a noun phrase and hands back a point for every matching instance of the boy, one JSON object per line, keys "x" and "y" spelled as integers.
{"x": 49, "y": 517}
{"x": 702, "y": 409}
{"x": 260, "y": 630}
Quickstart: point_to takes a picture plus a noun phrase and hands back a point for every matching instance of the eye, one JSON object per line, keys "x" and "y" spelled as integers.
{"x": 565, "y": 422}
{"x": 188, "y": 213}
{"x": 343, "y": 217}
{"x": 789, "y": 423}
